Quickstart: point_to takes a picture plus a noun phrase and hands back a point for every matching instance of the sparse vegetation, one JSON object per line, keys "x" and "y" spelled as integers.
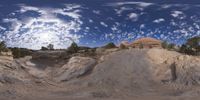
{"x": 3, "y": 47}
{"x": 191, "y": 47}
{"x": 169, "y": 46}
{"x": 44, "y": 48}
{"x": 20, "y": 52}
{"x": 50, "y": 47}
{"x": 141, "y": 46}
{"x": 73, "y": 48}
{"x": 122, "y": 46}
{"x": 164, "y": 45}
{"x": 109, "y": 45}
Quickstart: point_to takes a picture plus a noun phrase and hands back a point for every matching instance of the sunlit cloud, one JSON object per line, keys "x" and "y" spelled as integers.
{"x": 41, "y": 31}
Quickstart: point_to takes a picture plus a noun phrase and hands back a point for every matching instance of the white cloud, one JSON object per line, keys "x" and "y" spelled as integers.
{"x": 91, "y": 21}
{"x": 159, "y": 20}
{"x": 7, "y": 20}
{"x": 142, "y": 26}
{"x": 141, "y": 4}
{"x": 96, "y": 12}
{"x": 47, "y": 28}
{"x": 42, "y": 32}
{"x": 74, "y": 14}
{"x": 69, "y": 7}
{"x": 114, "y": 28}
{"x": 178, "y": 14}
{"x": 25, "y": 8}
{"x": 103, "y": 24}
{"x": 133, "y": 16}
{"x": 2, "y": 28}
{"x": 122, "y": 6}
{"x": 71, "y": 10}
{"x": 122, "y": 9}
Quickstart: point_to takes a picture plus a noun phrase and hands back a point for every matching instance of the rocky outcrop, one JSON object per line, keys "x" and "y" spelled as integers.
{"x": 10, "y": 72}
{"x": 174, "y": 67}
{"x": 76, "y": 67}
{"x": 31, "y": 68}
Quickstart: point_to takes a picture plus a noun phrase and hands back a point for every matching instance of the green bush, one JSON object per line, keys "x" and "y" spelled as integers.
{"x": 171, "y": 46}
{"x": 164, "y": 45}
{"x": 20, "y": 52}
{"x": 50, "y": 47}
{"x": 168, "y": 46}
{"x": 73, "y": 48}
{"x": 109, "y": 45}
{"x": 3, "y": 47}
{"x": 191, "y": 47}
{"x": 141, "y": 46}
{"x": 194, "y": 43}
{"x": 122, "y": 46}
{"x": 44, "y": 48}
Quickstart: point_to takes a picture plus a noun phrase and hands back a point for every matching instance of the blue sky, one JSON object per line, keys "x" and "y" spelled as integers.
{"x": 36, "y": 23}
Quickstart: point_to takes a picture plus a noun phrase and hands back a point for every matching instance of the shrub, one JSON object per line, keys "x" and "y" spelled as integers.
{"x": 20, "y": 52}
{"x": 194, "y": 43}
{"x": 73, "y": 48}
{"x": 44, "y": 48}
{"x": 16, "y": 52}
{"x": 164, "y": 45}
{"x": 3, "y": 47}
{"x": 122, "y": 46}
{"x": 50, "y": 47}
{"x": 109, "y": 45}
{"x": 191, "y": 47}
{"x": 168, "y": 46}
{"x": 171, "y": 46}
{"x": 141, "y": 46}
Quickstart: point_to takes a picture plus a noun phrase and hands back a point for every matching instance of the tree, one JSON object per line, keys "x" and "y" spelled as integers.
{"x": 50, "y": 47}
{"x": 191, "y": 47}
{"x": 164, "y": 45}
{"x": 168, "y": 46}
{"x": 171, "y": 46}
{"x": 122, "y": 46}
{"x": 194, "y": 43}
{"x": 16, "y": 52}
{"x": 3, "y": 47}
{"x": 44, "y": 48}
{"x": 109, "y": 45}
{"x": 141, "y": 46}
{"x": 73, "y": 48}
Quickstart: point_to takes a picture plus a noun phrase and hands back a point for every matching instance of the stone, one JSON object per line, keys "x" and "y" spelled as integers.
{"x": 76, "y": 67}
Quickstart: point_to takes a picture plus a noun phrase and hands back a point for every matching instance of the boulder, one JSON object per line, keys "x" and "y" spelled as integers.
{"x": 76, "y": 67}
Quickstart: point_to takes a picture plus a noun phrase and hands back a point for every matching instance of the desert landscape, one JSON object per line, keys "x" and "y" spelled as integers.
{"x": 101, "y": 73}
{"x": 99, "y": 50}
